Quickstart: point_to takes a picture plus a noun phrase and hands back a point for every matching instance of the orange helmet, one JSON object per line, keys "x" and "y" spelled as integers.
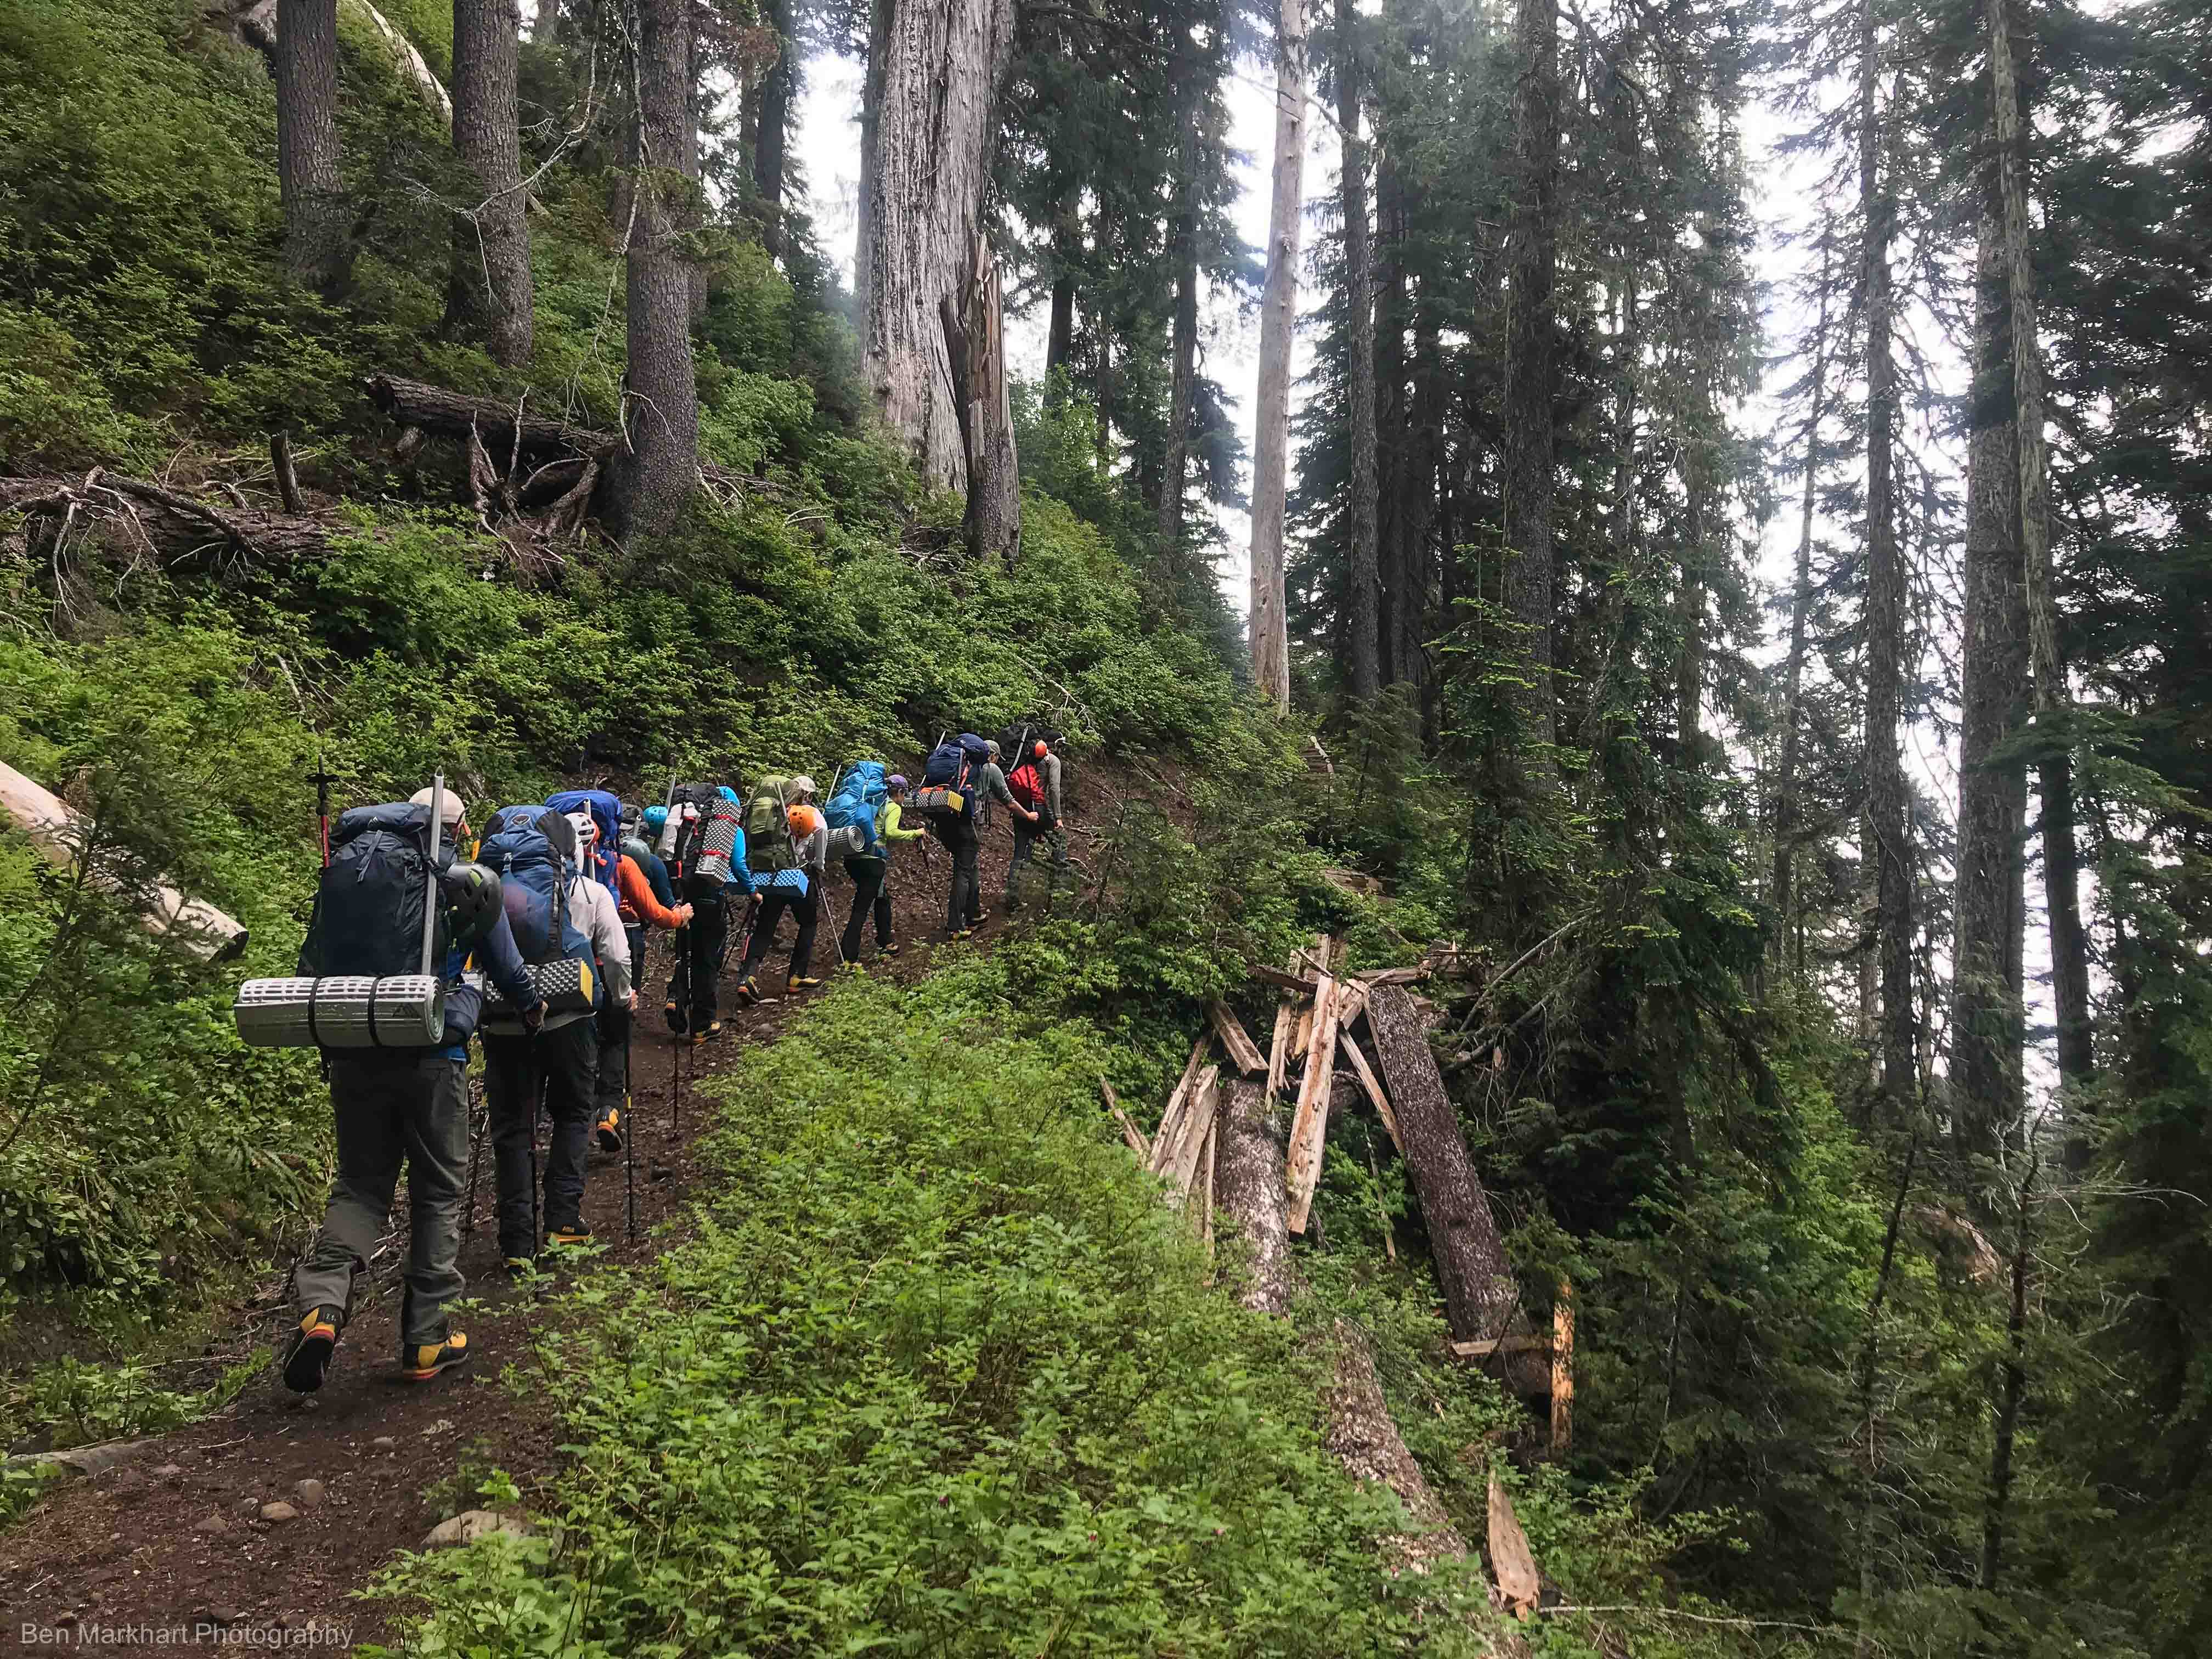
{"x": 804, "y": 820}
{"x": 1040, "y": 750}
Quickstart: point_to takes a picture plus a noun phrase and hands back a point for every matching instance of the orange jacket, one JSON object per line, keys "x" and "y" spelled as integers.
{"x": 637, "y": 899}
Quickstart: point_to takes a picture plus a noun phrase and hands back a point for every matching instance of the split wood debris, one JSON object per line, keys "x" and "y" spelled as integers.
{"x": 1319, "y": 1013}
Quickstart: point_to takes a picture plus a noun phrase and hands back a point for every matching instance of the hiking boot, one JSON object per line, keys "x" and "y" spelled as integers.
{"x": 609, "y": 1130}
{"x": 803, "y": 982}
{"x": 888, "y": 950}
{"x": 308, "y": 1361}
{"x": 568, "y": 1238}
{"x": 520, "y": 1266}
{"x": 674, "y": 1015}
{"x": 748, "y": 990}
{"x": 708, "y": 1036}
{"x": 420, "y": 1362}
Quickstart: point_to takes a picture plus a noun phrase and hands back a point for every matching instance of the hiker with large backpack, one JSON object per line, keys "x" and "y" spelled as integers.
{"x": 563, "y": 919}
{"x": 1034, "y": 784}
{"x": 712, "y": 856}
{"x": 957, "y": 780}
{"x": 596, "y": 816}
{"x": 400, "y": 1105}
{"x": 864, "y": 827}
{"x": 793, "y": 882}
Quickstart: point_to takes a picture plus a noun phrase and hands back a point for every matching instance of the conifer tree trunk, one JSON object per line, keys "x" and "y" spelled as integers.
{"x": 487, "y": 297}
{"x": 941, "y": 62}
{"x": 1278, "y": 308}
{"x": 774, "y": 99}
{"x": 307, "y": 177}
{"x": 1418, "y": 482}
{"x": 545, "y": 26}
{"x": 1182, "y": 388}
{"x": 1887, "y": 831}
{"x": 1532, "y": 257}
{"x": 1363, "y": 643}
{"x": 662, "y": 414}
{"x": 871, "y": 104}
{"x": 1391, "y": 421}
{"x": 2069, "y": 944}
{"x": 1787, "y": 805}
{"x": 1987, "y": 1030}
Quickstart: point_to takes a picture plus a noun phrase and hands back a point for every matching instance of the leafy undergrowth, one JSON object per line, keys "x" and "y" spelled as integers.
{"x": 940, "y": 1375}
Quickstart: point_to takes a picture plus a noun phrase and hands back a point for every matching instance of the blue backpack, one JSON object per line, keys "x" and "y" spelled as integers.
{"x": 948, "y": 778}
{"x": 529, "y": 848}
{"x": 860, "y": 794}
{"x": 606, "y": 812}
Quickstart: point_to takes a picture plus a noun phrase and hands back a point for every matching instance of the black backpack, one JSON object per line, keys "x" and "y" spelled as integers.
{"x": 369, "y": 903}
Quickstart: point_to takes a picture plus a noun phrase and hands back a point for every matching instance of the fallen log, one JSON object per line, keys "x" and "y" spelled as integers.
{"x": 1230, "y": 1029}
{"x": 165, "y": 522}
{"x": 1278, "y": 1056}
{"x": 506, "y": 425}
{"x": 1392, "y": 975}
{"x": 1481, "y": 1298}
{"x": 1485, "y": 1347}
{"x": 1171, "y": 1116}
{"x": 1361, "y": 1432}
{"x": 58, "y": 832}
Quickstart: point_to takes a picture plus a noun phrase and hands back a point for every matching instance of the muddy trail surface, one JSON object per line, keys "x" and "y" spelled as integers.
{"x": 257, "y": 1525}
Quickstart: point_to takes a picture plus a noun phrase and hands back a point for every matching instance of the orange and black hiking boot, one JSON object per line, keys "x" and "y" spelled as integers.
{"x": 748, "y": 989}
{"x": 420, "y": 1362}
{"x": 308, "y": 1361}
{"x": 803, "y": 982}
{"x": 609, "y": 1130}
{"x": 567, "y": 1238}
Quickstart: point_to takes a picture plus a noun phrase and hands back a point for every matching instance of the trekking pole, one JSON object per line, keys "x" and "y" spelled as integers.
{"x": 629, "y": 1140}
{"x": 478, "y": 1129}
{"x": 322, "y": 779}
{"x": 538, "y": 1084}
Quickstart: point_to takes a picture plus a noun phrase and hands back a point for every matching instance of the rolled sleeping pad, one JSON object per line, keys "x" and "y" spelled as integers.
{"x": 342, "y": 1010}
{"x": 566, "y": 986}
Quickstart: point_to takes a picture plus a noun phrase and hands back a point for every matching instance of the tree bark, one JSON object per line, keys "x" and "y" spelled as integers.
{"x": 1987, "y": 1028}
{"x": 2069, "y": 944}
{"x": 1278, "y": 308}
{"x": 1364, "y": 671}
{"x": 662, "y": 416}
{"x": 2012, "y": 1384}
{"x": 1787, "y": 812}
{"x": 308, "y": 182}
{"x": 943, "y": 62}
{"x": 1886, "y": 833}
{"x": 489, "y": 295}
{"x": 1249, "y": 1189}
{"x": 774, "y": 97}
{"x": 975, "y": 347}
{"x": 1531, "y": 259}
{"x": 1392, "y": 419}
{"x": 1481, "y": 1293}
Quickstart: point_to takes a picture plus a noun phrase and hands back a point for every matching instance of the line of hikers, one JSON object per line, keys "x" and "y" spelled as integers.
{"x": 541, "y": 938}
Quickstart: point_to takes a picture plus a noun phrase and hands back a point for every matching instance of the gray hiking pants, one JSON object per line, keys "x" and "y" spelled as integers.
{"x": 409, "y": 1105}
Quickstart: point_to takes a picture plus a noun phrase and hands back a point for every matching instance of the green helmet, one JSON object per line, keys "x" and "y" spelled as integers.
{"x": 472, "y": 902}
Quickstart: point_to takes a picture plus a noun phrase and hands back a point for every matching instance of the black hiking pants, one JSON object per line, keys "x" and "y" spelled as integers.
{"x": 564, "y": 1063}
{"x": 805, "y": 909}
{"x": 705, "y": 943}
{"x": 963, "y": 904}
{"x": 868, "y": 894}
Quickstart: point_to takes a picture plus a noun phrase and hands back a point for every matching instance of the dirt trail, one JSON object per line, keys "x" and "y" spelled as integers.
{"x": 175, "y": 1536}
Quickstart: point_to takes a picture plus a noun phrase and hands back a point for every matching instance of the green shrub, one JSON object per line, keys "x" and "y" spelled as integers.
{"x": 984, "y": 1409}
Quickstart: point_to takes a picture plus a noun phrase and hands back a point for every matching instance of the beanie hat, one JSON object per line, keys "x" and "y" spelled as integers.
{"x": 454, "y": 809}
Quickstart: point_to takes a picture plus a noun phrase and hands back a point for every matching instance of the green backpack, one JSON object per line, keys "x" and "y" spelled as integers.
{"x": 768, "y": 833}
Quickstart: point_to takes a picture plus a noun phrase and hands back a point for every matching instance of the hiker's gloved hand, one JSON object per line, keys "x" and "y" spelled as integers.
{"x": 534, "y": 1016}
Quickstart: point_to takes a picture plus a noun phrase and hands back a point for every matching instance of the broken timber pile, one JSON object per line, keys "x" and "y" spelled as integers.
{"x": 1320, "y": 1061}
